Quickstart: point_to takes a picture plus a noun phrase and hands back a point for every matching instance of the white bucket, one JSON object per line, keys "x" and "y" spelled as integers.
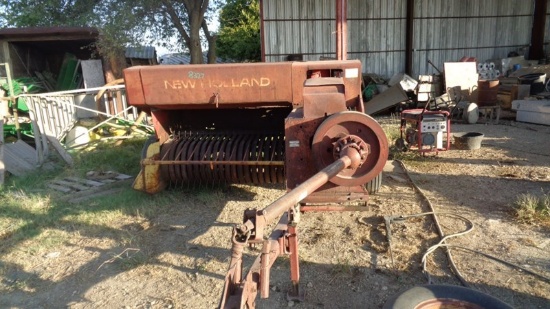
{"x": 77, "y": 136}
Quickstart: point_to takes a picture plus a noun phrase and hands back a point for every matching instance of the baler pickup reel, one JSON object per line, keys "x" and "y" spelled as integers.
{"x": 301, "y": 123}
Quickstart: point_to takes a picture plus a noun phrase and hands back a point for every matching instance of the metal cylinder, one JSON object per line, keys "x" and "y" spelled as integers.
{"x": 487, "y": 92}
{"x": 306, "y": 188}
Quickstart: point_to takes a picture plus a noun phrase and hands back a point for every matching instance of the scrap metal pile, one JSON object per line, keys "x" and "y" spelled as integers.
{"x": 301, "y": 123}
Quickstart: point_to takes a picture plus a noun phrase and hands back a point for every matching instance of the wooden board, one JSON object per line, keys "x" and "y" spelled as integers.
{"x": 19, "y": 158}
{"x": 385, "y": 100}
{"x": 92, "y": 72}
{"x": 60, "y": 149}
{"x": 86, "y": 181}
{"x": 96, "y": 184}
{"x": 94, "y": 194}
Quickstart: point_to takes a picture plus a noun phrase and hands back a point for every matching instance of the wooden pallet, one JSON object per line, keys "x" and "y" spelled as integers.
{"x": 94, "y": 185}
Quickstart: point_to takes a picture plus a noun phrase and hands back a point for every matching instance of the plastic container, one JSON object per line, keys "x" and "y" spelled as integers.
{"x": 536, "y": 80}
{"x": 77, "y": 136}
{"x": 468, "y": 140}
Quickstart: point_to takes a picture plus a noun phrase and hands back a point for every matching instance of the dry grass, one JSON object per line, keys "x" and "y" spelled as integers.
{"x": 533, "y": 209}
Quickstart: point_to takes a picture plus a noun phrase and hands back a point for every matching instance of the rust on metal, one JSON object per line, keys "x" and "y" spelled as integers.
{"x": 234, "y": 85}
{"x": 252, "y": 229}
{"x": 223, "y": 158}
{"x": 341, "y": 29}
{"x": 211, "y": 163}
{"x": 361, "y": 126}
{"x": 301, "y": 123}
{"x": 149, "y": 179}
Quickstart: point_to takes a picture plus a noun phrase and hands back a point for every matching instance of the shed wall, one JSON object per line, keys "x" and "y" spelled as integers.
{"x": 376, "y": 35}
{"x": 299, "y": 27}
{"x": 443, "y": 31}
{"x": 452, "y": 29}
{"x": 547, "y": 32}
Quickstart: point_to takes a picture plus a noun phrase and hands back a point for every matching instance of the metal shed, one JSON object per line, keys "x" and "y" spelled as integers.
{"x": 391, "y": 36}
{"x": 37, "y": 48}
{"x": 144, "y": 55}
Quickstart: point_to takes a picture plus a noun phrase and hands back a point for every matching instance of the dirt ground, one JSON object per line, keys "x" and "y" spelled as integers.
{"x": 179, "y": 259}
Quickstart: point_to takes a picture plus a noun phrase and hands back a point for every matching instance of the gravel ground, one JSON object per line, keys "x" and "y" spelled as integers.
{"x": 178, "y": 259}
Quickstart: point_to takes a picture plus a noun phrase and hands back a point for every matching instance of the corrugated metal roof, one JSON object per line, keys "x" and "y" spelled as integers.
{"x": 180, "y": 58}
{"x": 79, "y": 32}
{"x": 142, "y": 52}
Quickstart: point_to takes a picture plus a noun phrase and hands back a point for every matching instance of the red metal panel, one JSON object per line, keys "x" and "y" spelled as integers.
{"x": 235, "y": 85}
{"x": 349, "y": 70}
{"x": 211, "y": 86}
{"x": 323, "y": 96}
{"x": 134, "y": 89}
{"x": 299, "y": 164}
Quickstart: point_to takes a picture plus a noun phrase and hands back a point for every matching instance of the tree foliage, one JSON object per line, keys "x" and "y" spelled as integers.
{"x": 239, "y": 34}
{"x": 123, "y": 22}
{"x": 45, "y": 13}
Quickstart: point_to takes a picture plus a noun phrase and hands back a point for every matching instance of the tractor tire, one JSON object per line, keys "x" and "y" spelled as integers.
{"x": 444, "y": 296}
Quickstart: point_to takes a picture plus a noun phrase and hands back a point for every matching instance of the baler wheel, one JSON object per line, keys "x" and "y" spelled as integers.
{"x": 360, "y": 126}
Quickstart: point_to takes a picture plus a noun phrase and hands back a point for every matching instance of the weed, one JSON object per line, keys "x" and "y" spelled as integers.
{"x": 392, "y": 130}
{"x": 342, "y": 267}
{"x": 201, "y": 268}
{"x": 209, "y": 197}
{"x": 133, "y": 260}
{"x": 128, "y": 259}
{"x": 21, "y": 285}
{"x": 533, "y": 209}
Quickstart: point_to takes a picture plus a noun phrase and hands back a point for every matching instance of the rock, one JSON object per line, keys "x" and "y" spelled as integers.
{"x": 52, "y": 255}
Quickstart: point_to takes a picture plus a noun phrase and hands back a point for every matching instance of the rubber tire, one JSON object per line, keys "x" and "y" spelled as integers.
{"x": 151, "y": 139}
{"x": 411, "y": 298}
{"x": 400, "y": 144}
{"x": 374, "y": 185}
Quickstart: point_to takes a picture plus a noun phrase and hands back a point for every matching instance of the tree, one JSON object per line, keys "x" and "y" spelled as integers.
{"x": 123, "y": 22}
{"x": 239, "y": 34}
{"x": 28, "y": 13}
{"x": 188, "y": 17}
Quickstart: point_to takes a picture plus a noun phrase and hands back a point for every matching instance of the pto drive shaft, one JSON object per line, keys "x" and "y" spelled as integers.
{"x": 239, "y": 292}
